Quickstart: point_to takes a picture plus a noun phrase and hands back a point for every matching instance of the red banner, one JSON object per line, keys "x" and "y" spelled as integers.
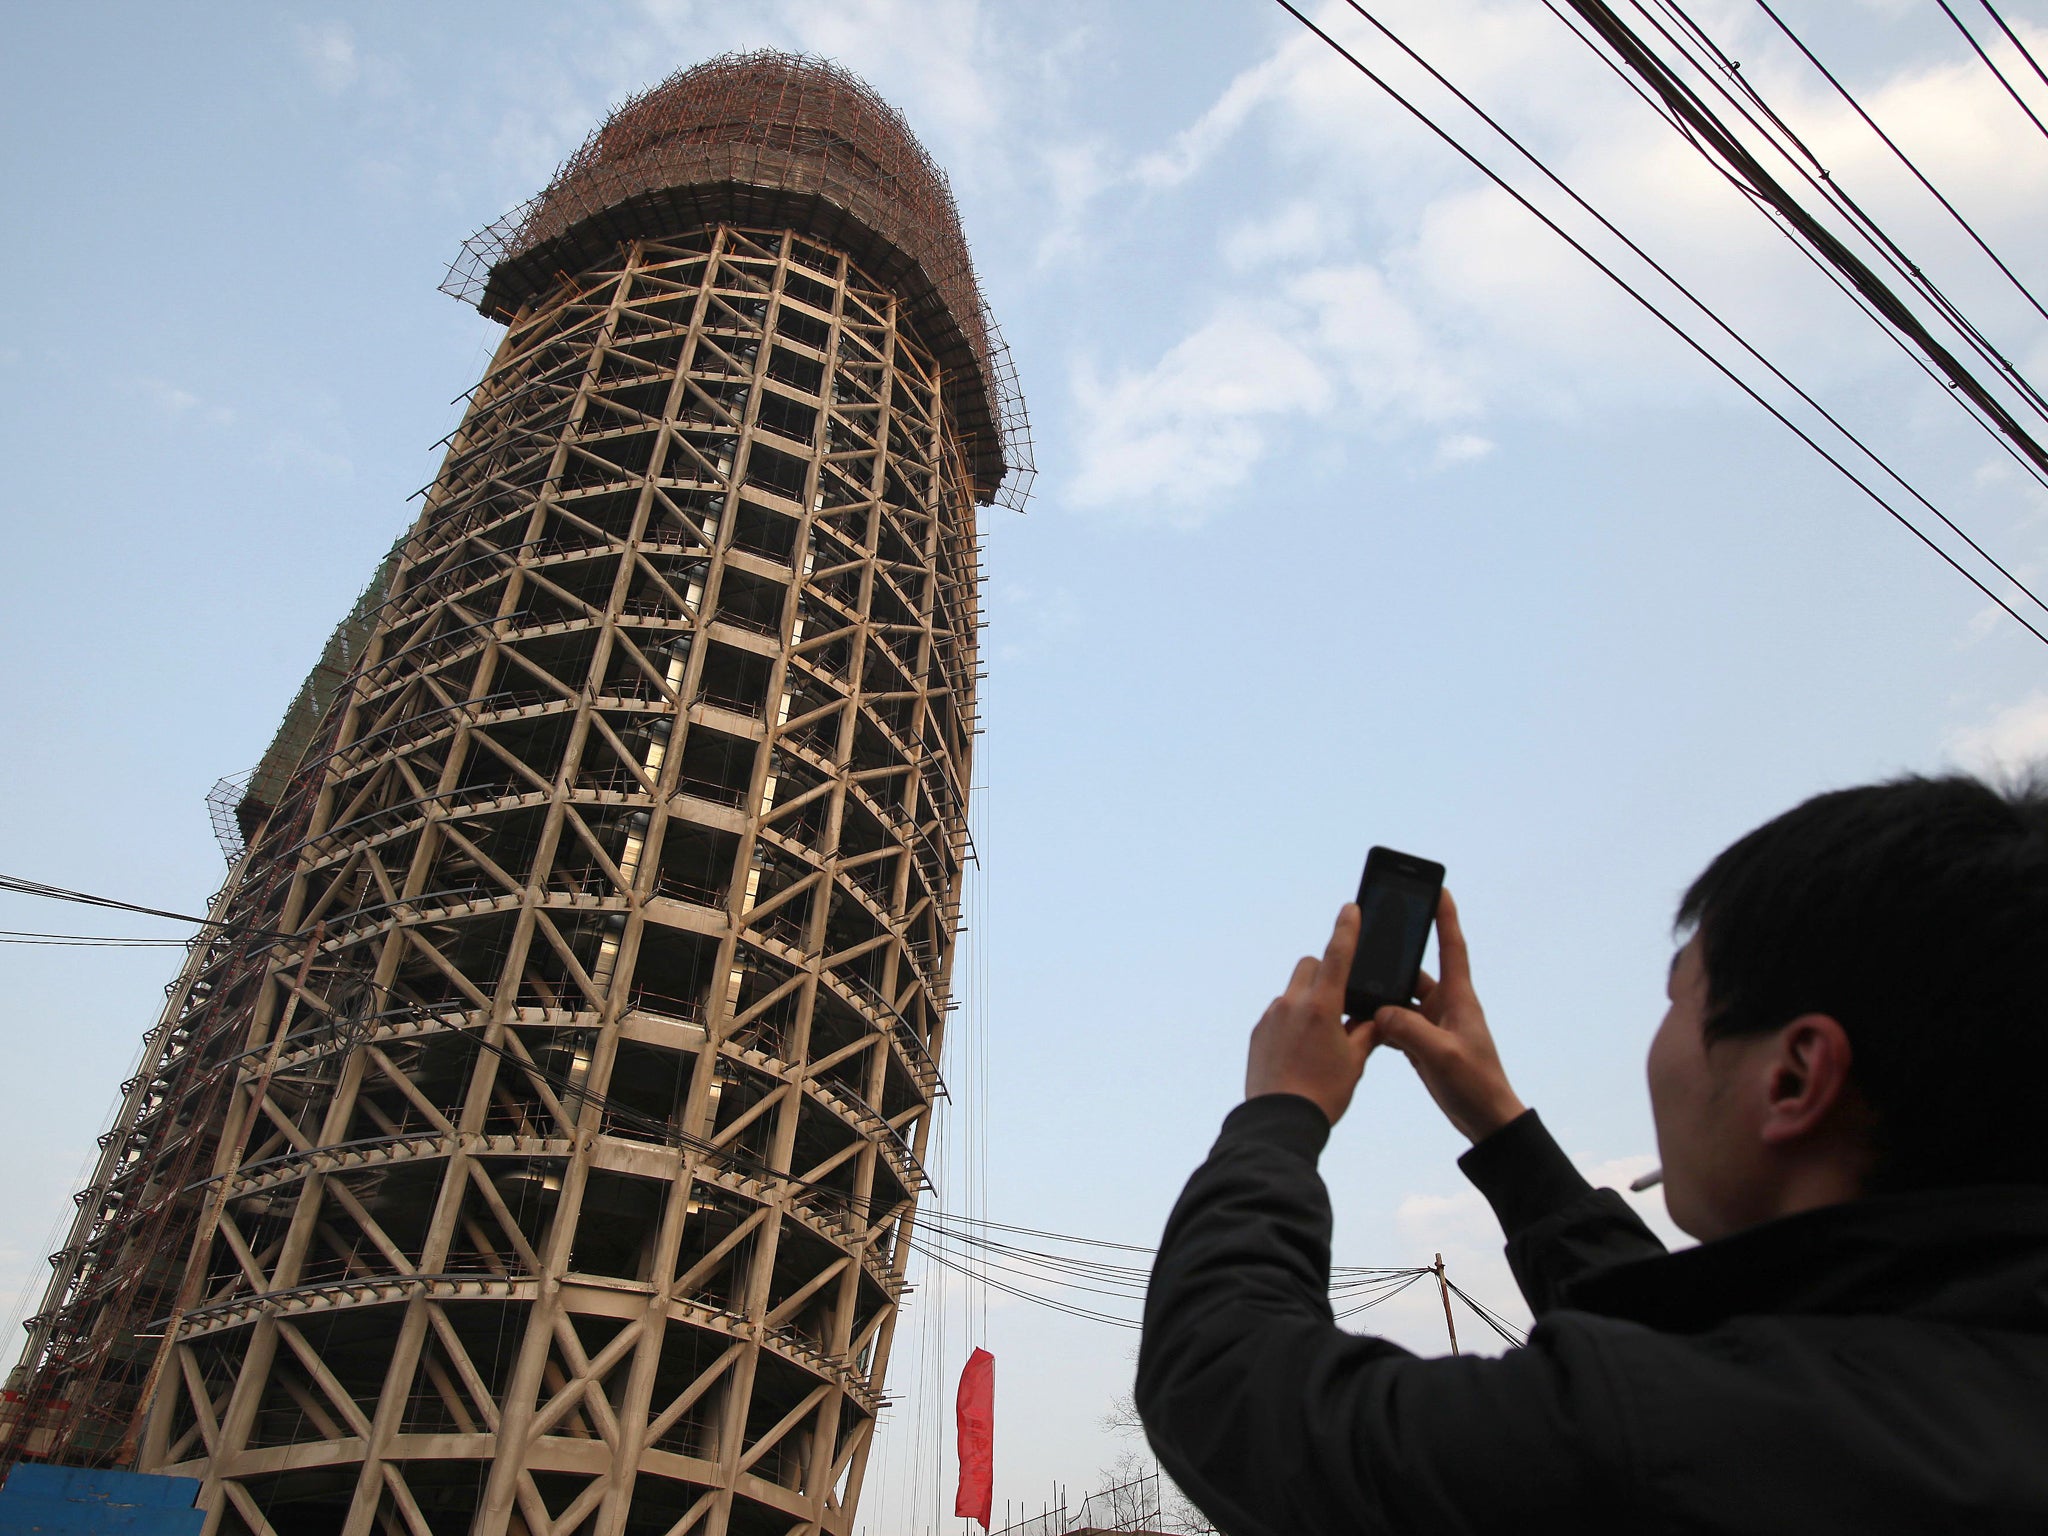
{"x": 975, "y": 1408}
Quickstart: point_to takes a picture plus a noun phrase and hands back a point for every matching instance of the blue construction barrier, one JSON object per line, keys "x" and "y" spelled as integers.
{"x": 40, "y": 1500}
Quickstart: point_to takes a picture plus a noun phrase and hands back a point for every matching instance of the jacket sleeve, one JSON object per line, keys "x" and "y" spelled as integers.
{"x": 1279, "y": 1423}
{"x": 1558, "y": 1226}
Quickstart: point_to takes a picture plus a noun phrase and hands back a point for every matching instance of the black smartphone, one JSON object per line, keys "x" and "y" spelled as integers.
{"x": 1397, "y": 899}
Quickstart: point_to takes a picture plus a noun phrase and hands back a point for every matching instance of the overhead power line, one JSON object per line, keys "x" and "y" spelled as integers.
{"x": 1904, "y": 159}
{"x": 2014, "y": 38}
{"x": 1615, "y": 277}
{"x": 1695, "y": 46}
{"x": 21, "y": 887}
{"x": 1992, "y": 64}
{"x": 1488, "y": 1316}
{"x": 1704, "y": 309}
{"x": 83, "y": 940}
{"x": 1048, "y": 1277}
{"x": 1681, "y": 101}
{"x": 1806, "y": 253}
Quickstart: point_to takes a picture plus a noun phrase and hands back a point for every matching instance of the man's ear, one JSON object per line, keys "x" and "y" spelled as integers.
{"x": 1808, "y": 1082}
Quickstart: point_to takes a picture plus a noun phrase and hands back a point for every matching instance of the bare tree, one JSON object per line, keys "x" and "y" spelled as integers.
{"x": 1128, "y": 1498}
{"x": 1175, "y": 1511}
{"x": 1122, "y": 1417}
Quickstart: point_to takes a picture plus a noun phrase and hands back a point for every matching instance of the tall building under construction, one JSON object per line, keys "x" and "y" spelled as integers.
{"x": 532, "y": 1143}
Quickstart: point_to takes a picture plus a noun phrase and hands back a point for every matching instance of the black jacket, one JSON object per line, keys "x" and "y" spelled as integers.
{"x": 1872, "y": 1367}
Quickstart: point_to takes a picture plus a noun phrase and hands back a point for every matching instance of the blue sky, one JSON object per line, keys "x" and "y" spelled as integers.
{"x": 1366, "y": 514}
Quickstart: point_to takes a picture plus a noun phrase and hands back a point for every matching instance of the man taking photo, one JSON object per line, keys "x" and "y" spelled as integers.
{"x": 1847, "y": 1089}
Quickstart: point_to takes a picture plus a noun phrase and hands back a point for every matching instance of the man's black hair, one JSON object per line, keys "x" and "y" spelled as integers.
{"x": 1916, "y": 914}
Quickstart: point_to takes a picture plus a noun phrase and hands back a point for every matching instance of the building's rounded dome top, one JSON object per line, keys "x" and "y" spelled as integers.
{"x": 773, "y": 139}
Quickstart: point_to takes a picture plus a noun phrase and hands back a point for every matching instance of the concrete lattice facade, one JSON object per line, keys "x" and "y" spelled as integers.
{"x": 544, "y": 1123}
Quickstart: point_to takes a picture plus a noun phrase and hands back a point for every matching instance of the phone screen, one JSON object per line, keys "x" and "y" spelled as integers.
{"x": 1397, "y": 903}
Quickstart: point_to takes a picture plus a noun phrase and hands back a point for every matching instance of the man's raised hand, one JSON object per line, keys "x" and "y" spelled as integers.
{"x": 1446, "y": 1040}
{"x": 1301, "y": 1044}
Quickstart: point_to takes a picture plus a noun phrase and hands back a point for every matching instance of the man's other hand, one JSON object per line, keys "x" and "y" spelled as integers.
{"x": 1301, "y": 1045}
{"x": 1446, "y": 1040}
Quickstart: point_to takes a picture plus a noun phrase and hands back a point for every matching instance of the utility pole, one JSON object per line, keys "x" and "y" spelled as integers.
{"x": 1443, "y": 1289}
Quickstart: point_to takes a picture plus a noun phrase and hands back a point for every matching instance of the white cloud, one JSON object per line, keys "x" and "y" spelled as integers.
{"x": 934, "y": 54}
{"x": 1161, "y": 442}
{"x": 1077, "y": 173}
{"x": 329, "y": 51}
{"x": 175, "y": 401}
{"x": 1432, "y": 1222}
{"x": 1194, "y": 146}
{"x": 986, "y": 88}
{"x": 1301, "y": 230}
{"x": 291, "y": 452}
{"x": 169, "y": 397}
{"x": 2013, "y": 739}
{"x": 1396, "y": 366}
{"x": 1460, "y": 448}
{"x": 1617, "y": 1173}
{"x": 1196, "y": 421}
{"x": 1459, "y": 297}
{"x": 2000, "y": 475}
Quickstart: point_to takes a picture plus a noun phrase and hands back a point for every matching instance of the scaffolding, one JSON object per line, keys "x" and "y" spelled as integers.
{"x": 1129, "y": 1508}
{"x": 535, "y": 1147}
{"x": 777, "y": 140}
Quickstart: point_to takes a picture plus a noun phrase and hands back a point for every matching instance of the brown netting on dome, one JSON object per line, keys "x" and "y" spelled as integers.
{"x": 786, "y": 141}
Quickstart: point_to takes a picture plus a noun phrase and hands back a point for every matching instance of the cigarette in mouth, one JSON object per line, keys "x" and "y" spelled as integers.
{"x": 1649, "y": 1180}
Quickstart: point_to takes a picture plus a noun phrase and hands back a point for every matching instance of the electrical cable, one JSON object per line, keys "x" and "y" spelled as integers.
{"x": 984, "y": 1033}
{"x": 1492, "y": 1319}
{"x": 1382, "y": 1286}
{"x": 1806, "y": 252}
{"x": 1810, "y": 232}
{"x": 931, "y": 1212}
{"x": 1992, "y": 65}
{"x": 1686, "y": 103}
{"x": 1677, "y": 123}
{"x": 933, "y": 1218}
{"x": 1026, "y": 1267}
{"x": 87, "y": 940}
{"x": 953, "y": 1263}
{"x": 1686, "y": 292}
{"x": 2014, "y": 38}
{"x": 1626, "y": 287}
{"x": 21, "y": 887}
{"x": 1904, "y": 159}
{"x": 1026, "y": 1272}
{"x": 1831, "y": 192}
{"x": 1394, "y": 1290}
{"x": 1915, "y": 277}
{"x": 1052, "y": 1268}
